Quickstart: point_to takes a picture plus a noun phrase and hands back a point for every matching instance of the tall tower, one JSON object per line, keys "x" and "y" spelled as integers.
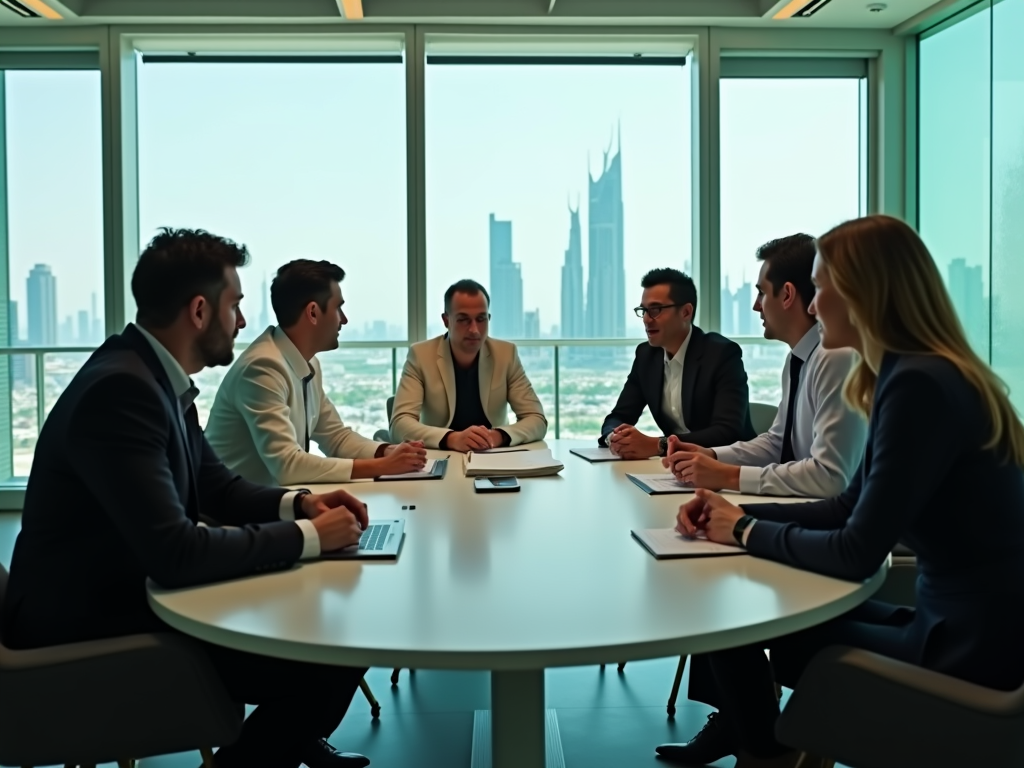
{"x": 264, "y": 314}
{"x": 506, "y": 283}
{"x": 42, "y": 306}
{"x": 572, "y": 281}
{"x": 606, "y": 280}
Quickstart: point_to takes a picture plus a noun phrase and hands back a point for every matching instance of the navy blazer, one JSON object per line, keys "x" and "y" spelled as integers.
{"x": 114, "y": 497}
{"x": 925, "y": 482}
{"x": 716, "y": 405}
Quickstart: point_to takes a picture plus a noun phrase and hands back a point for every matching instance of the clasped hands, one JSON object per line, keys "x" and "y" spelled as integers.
{"x": 698, "y": 467}
{"x": 475, "y": 438}
{"x": 709, "y": 514}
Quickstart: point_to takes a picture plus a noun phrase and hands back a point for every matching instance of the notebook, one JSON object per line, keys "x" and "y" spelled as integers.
{"x": 594, "y": 455}
{"x": 666, "y": 542}
{"x": 515, "y": 464}
{"x": 656, "y": 485}
{"x": 434, "y": 469}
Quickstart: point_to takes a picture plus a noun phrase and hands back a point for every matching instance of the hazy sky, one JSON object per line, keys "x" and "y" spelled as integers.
{"x": 310, "y": 161}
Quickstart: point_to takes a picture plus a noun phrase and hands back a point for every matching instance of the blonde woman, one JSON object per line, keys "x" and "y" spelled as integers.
{"x": 941, "y": 474}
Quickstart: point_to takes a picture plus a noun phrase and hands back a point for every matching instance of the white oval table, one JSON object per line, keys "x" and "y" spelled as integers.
{"x": 513, "y": 583}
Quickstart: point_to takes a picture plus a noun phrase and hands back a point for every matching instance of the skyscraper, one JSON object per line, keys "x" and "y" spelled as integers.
{"x": 966, "y": 289}
{"x": 264, "y": 314}
{"x": 84, "y": 327}
{"x": 506, "y": 283}
{"x": 606, "y": 274}
{"x": 531, "y": 324}
{"x": 572, "y": 281}
{"x": 42, "y": 306}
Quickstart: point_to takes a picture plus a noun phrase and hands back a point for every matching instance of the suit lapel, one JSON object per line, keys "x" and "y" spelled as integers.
{"x": 656, "y": 380}
{"x": 486, "y": 373}
{"x": 446, "y": 367}
{"x": 691, "y": 367}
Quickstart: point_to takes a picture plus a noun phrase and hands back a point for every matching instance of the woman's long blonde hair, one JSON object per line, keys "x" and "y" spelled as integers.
{"x": 898, "y": 303}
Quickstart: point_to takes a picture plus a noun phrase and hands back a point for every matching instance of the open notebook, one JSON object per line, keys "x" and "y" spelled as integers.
{"x": 666, "y": 542}
{"x": 512, "y": 464}
{"x": 433, "y": 470}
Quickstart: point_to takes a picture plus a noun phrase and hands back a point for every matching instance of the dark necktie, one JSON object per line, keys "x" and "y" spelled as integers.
{"x": 795, "y": 364}
{"x": 305, "y": 408}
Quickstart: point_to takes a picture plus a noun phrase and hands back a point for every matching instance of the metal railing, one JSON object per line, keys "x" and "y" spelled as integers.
{"x": 39, "y": 354}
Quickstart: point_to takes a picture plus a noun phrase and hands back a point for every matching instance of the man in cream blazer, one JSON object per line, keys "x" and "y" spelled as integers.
{"x": 271, "y": 403}
{"x": 456, "y": 389}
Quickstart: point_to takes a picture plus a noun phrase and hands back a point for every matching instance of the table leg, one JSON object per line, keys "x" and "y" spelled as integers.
{"x": 517, "y": 719}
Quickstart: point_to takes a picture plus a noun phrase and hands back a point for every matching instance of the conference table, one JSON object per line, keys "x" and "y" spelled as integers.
{"x": 513, "y": 583}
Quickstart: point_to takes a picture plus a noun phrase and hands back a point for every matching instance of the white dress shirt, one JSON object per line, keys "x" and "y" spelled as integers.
{"x": 260, "y": 419}
{"x": 180, "y": 385}
{"x": 672, "y": 388}
{"x": 828, "y": 437}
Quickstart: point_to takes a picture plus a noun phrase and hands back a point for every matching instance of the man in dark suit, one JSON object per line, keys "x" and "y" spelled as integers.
{"x": 122, "y": 473}
{"x": 693, "y": 382}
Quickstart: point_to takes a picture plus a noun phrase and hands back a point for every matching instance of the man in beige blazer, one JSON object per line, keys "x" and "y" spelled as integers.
{"x": 456, "y": 389}
{"x": 272, "y": 403}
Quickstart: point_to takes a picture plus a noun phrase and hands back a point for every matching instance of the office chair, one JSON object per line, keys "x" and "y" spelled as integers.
{"x": 113, "y": 700}
{"x": 384, "y": 435}
{"x": 869, "y": 711}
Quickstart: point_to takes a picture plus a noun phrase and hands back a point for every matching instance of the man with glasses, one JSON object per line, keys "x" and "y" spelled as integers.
{"x": 456, "y": 388}
{"x": 693, "y": 382}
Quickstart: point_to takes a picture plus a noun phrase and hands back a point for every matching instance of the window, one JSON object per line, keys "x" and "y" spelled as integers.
{"x": 295, "y": 160}
{"x": 1008, "y": 195}
{"x": 792, "y": 160}
{"x": 51, "y": 163}
{"x": 557, "y": 183}
{"x": 954, "y": 165}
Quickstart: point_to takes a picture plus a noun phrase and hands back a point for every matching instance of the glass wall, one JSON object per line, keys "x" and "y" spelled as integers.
{"x": 971, "y": 174}
{"x": 791, "y": 161}
{"x": 294, "y": 160}
{"x": 53, "y": 276}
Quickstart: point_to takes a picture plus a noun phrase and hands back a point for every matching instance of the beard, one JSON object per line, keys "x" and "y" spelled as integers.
{"x": 216, "y": 346}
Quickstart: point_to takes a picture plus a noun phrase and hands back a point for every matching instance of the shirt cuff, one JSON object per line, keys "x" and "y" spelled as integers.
{"x": 310, "y": 539}
{"x": 287, "y": 511}
{"x": 746, "y": 532}
{"x": 443, "y": 444}
{"x": 379, "y": 453}
{"x": 506, "y": 438}
{"x": 725, "y": 454}
{"x": 750, "y": 479}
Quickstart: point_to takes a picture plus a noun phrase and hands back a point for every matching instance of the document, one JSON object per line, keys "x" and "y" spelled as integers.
{"x": 434, "y": 469}
{"x": 594, "y": 455}
{"x": 667, "y": 542}
{"x": 658, "y": 484}
{"x": 512, "y": 464}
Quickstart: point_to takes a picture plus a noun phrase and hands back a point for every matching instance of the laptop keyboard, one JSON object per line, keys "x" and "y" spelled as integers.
{"x": 374, "y": 537}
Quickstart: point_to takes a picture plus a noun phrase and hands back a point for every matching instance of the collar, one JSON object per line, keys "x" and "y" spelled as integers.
{"x": 180, "y": 382}
{"x": 680, "y": 356}
{"x": 808, "y": 343}
{"x": 290, "y": 352}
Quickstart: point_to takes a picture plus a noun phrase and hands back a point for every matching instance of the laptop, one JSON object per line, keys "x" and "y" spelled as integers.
{"x": 381, "y": 540}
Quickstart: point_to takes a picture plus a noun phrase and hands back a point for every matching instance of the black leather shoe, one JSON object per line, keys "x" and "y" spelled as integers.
{"x": 712, "y": 743}
{"x": 320, "y": 754}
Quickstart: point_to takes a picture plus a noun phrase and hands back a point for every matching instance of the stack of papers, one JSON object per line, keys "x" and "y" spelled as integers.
{"x": 666, "y": 542}
{"x": 513, "y": 464}
{"x": 658, "y": 484}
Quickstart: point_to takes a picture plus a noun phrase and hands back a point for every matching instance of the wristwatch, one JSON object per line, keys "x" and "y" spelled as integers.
{"x": 662, "y": 446}
{"x": 297, "y": 503}
{"x": 738, "y": 529}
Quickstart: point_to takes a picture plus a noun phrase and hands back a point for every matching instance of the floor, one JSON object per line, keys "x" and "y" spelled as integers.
{"x": 607, "y": 720}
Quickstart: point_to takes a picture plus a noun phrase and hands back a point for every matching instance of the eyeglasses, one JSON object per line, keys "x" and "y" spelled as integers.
{"x": 653, "y": 312}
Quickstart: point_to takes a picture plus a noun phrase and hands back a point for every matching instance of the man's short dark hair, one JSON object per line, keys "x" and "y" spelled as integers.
{"x": 681, "y": 287}
{"x": 300, "y": 282}
{"x": 470, "y": 287}
{"x": 177, "y": 266}
{"x": 789, "y": 261}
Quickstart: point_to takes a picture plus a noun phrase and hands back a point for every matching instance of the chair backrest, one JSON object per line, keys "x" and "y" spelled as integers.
{"x": 3, "y": 596}
{"x": 762, "y": 416}
{"x": 390, "y": 405}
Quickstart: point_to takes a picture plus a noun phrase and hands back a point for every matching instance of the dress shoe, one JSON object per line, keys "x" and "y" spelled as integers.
{"x": 712, "y": 743}
{"x": 320, "y": 754}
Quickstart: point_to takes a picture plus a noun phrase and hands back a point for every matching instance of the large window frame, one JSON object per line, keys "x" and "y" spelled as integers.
{"x": 889, "y": 60}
